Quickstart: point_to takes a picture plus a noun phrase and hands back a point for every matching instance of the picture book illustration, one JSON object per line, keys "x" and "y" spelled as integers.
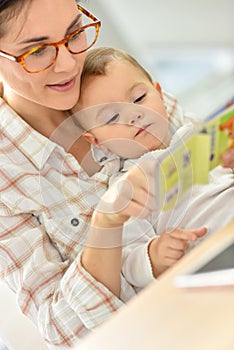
{"x": 189, "y": 163}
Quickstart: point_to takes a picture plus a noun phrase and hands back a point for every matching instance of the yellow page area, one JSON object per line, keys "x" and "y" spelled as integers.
{"x": 181, "y": 169}
{"x": 188, "y": 164}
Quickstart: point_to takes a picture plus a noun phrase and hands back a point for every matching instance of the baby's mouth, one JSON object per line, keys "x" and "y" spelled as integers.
{"x": 142, "y": 129}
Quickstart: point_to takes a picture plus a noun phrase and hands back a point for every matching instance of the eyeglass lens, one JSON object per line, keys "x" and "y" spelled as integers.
{"x": 43, "y": 57}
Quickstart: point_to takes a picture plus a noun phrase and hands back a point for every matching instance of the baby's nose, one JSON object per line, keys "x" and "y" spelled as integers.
{"x": 134, "y": 118}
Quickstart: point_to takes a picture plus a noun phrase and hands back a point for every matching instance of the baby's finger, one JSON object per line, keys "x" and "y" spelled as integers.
{"x": 178, "y": 244}
{"x": 186, "y": 234}
{"x": 228, "y": 158}
{"x": 170, "y": 260}
{"x": 174, "y": 254}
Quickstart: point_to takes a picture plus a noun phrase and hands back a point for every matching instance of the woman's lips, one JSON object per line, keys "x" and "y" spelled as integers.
{"x": 63, "y": 87}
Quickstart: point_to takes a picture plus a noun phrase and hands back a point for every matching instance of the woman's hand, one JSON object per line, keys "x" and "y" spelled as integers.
{"x": 170, "y": 246}
{"x": 131, "y": 196}
{"x": 228, "y": 158}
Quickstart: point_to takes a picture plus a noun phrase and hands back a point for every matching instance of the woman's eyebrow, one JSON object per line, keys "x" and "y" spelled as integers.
{"x": 32, "y": 40}
{"x": 72, "y": 24}
{"x": 41, "y": 38}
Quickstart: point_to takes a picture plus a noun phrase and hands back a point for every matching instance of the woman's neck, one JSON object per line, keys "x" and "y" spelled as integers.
{"x": 57, "y": 126}
{"x": 41, "y": 118}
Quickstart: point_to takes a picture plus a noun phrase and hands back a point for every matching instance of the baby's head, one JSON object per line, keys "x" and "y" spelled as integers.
{"x": 120, "y": 107}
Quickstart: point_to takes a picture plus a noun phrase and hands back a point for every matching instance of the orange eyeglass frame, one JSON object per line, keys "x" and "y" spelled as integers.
{"x": 21, "y": 58}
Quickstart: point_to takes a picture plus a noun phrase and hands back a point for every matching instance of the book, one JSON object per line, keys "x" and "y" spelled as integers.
{"x": 218, "y": 270}
{"x": 190, "y": 162}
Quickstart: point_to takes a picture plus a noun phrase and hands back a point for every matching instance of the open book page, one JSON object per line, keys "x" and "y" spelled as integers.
{"x": 218, "y": 271}
{"x": 189, "y": 162}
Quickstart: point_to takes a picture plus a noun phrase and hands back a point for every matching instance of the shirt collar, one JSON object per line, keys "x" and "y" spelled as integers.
{"x": 36, "y": 147}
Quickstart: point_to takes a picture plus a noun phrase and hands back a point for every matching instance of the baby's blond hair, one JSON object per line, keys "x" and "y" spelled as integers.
{"x": 97, "y": 60}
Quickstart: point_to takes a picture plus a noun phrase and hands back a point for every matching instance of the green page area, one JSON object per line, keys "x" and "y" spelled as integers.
{"x": 185, "y": 166}
{"x": 190, "y": 163}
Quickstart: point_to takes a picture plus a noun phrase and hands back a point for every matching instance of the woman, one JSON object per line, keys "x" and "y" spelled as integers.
{"x": 60, "y": 256}
{"x": 47, "y": 198}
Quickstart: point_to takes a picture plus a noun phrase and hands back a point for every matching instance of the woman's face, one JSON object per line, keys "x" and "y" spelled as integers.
{"x": 41, "y": 22}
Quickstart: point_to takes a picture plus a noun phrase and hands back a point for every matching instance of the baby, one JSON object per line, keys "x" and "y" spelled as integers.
{"x": 127, "y": 117}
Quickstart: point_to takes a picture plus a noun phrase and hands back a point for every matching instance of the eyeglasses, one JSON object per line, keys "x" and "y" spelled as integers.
{"x": 44, "y": 56}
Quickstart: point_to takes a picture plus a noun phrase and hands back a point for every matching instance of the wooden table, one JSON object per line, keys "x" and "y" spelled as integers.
{"x": 165, "y": 317}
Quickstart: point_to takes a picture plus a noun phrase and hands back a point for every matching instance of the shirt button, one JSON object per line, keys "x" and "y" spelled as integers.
{"x": 103, "y": 159}
{"x": 74, "y": 222}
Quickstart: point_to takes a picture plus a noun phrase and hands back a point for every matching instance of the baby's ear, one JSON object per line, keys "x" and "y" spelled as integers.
{"x": 88, "y": 136}
{"x": 91, "y": 138}
{"x": 158, "y": 88}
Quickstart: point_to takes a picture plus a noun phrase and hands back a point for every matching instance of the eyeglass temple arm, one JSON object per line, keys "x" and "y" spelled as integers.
{"x": 9, "y": 57}
{"x": 87, "y": 13}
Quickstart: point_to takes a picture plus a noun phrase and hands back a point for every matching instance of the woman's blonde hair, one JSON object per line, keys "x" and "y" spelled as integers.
{"x": 97, "y": 60}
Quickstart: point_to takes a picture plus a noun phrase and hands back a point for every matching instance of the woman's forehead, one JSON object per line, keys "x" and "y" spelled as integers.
{"x": 39, "y": 18}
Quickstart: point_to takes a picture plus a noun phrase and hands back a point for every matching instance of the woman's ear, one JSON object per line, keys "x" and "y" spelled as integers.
{"x": 88, "y": 136}
{"x": 158, "y": 88}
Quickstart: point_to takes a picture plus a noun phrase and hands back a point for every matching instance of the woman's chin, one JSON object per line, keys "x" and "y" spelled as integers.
{"x": 65, "y": 104}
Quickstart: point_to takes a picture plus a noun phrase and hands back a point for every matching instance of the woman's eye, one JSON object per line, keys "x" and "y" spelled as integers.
{"x": 113, "y": 119}
{"x": 39, "y": 52}
{"x": 76, "y": 35}
{"x": 140, "y": 98}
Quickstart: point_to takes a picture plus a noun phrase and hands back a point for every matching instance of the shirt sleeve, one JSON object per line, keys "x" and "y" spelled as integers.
{"x": 62, "y": 299}
{"x": 136, "y": 264}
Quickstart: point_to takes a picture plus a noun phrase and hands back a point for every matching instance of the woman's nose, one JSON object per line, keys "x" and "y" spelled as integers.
{"x": 65, "y": 60}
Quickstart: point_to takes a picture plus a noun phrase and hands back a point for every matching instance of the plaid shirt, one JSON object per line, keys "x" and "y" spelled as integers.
{"x": 46, "y": 204}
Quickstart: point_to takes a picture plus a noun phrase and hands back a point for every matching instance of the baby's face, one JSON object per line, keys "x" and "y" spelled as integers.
{"x": 123, "y": 110}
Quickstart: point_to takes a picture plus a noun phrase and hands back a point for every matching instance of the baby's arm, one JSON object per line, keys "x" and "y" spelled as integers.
{"x": 136, "y": 265}
{"x": 166, "y": 249}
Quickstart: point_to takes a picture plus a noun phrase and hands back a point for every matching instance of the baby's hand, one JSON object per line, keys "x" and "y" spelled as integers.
{"x": 170, "y": 246}
{"x": 228, "y": 158}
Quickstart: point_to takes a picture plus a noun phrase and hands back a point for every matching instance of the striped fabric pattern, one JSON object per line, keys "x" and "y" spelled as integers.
{"x": 46, "y": 204}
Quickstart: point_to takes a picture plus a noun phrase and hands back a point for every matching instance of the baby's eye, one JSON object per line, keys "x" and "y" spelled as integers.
{"x": 113, "y": 119}
{"x": 139, "y": 98}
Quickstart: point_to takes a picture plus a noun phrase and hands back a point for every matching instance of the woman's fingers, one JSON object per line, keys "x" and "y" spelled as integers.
{"x": 132, "y": 195}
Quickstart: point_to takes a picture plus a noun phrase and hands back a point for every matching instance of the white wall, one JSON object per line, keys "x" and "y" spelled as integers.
{"x": 143, "y": 23}
{"x": 187, "y": 44}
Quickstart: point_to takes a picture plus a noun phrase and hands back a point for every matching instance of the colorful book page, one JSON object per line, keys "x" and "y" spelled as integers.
{"x": 177, "y": 170}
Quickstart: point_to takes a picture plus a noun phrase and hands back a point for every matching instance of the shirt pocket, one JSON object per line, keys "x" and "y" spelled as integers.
{"x": 68, "y": 232}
